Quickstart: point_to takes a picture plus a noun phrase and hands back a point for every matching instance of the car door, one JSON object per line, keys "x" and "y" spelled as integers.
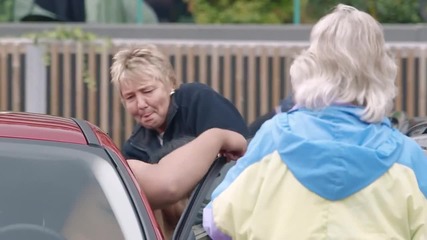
{"x": 151, "y": 230}
{"x": 189, "y": 226}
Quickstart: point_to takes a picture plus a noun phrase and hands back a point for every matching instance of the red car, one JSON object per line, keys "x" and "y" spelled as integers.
{"x": 64, "y": 178}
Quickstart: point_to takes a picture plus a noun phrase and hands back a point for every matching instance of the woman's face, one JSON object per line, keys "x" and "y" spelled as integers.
{"x": 147, "y": 101}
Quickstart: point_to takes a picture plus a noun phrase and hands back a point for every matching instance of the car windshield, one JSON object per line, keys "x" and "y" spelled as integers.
{"x": 57, "y": 192}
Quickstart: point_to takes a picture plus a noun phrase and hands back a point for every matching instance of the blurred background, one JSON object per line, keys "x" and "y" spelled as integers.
{"x": 201, "y": 11}
{"x": 55, "y": 54}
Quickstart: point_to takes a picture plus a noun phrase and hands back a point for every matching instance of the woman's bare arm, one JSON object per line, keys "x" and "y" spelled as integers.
{"x": 178, "y": 172}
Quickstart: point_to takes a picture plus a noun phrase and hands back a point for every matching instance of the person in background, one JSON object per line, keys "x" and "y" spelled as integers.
{"x": 148, "y": 87}
{"x": 285, "y": 105}
{"x": 89, "y": 11}
{"x": 123, "y": 11}
{"x": 333, "y": 167}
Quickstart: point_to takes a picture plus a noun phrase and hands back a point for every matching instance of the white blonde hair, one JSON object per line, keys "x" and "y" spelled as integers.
{"x": 348, "y": 63}
{"x": 137, "y": 63}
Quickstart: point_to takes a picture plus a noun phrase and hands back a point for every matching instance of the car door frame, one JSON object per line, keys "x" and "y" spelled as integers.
{"x": 184, "y": 228}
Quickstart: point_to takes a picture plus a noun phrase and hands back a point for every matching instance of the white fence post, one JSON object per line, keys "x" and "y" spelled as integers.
{"x": 35, "y": 80}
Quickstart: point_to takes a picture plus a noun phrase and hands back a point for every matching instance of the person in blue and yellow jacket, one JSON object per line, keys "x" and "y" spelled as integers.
{"x": 333, "y": 167}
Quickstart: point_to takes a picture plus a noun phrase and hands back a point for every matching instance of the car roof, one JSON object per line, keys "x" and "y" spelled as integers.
{"x": 35, "y": 126}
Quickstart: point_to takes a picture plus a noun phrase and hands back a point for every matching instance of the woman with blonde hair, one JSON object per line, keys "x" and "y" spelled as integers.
{"x": 333, "y": 167}
{"x": 166, "y": 112}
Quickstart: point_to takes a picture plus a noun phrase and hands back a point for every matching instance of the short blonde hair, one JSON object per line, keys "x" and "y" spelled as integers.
{"x": 134, "y": 63}
{"x": 347, "y": 62}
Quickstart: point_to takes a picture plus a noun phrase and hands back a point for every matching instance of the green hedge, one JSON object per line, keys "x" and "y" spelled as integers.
{"x": 385, "y": 11}
{"x": 240, "y": 11}
{"x": 6, "y": 10}
{"x": 281, "y": 11}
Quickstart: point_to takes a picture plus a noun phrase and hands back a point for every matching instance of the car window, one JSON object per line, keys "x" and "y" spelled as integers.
{"x": 62, "y": 194}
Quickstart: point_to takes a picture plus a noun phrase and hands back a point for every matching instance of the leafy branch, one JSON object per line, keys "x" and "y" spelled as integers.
{"x": 70, "y": 34}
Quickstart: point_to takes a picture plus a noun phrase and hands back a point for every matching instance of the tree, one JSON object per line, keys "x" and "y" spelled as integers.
{"x": 385, "y": 11}
{"x": 6, "y": 10}
{"x": 241, "y": 11}
{"x": 281, "y": 11}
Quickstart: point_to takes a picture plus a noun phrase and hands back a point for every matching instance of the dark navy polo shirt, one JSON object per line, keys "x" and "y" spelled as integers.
{"x": 194, "y": 108}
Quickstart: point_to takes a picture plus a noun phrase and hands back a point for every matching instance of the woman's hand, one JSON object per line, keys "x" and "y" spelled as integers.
{"x": 233, "y": 144}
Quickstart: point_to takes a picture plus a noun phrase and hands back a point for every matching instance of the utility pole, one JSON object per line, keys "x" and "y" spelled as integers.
{"x": 139, "y": 11}
{"x": 297, "y": 11}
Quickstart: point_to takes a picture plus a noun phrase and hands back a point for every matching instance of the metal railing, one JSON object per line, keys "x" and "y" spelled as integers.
{"x": 72, "y": 79}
